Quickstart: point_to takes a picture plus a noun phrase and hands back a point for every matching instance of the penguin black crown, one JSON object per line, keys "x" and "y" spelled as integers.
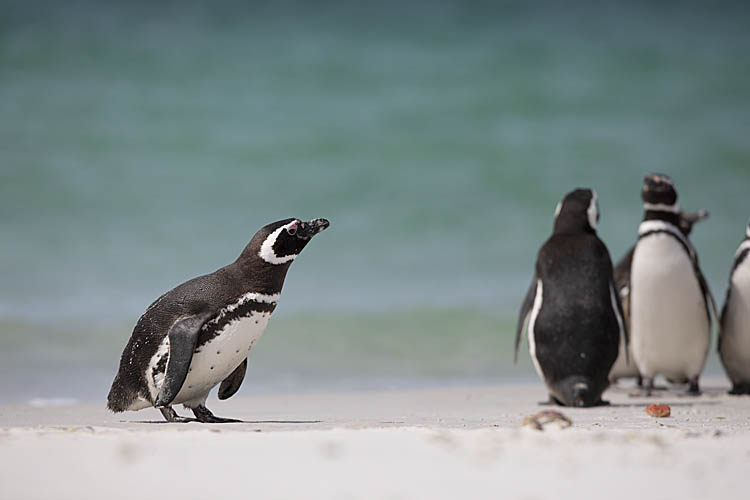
{"x": 199, "y": 334}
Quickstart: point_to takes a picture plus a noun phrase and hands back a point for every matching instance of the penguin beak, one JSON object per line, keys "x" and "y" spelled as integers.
{"x": 311, "y": 228}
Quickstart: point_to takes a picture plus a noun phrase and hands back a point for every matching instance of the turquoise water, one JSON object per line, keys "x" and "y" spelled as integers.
{"x": 142, "y": 145}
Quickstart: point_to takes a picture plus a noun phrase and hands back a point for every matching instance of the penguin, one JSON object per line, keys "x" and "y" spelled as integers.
{"x": 622, "y": 368}
{"x": 574, "y": 316}
{"x": 199, "y": 334}
{"x": 669, "y": 299}
{"x": 734, "y": 332}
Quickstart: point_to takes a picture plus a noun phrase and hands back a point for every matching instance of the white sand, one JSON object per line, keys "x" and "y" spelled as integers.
{"x": 436, "y": 443}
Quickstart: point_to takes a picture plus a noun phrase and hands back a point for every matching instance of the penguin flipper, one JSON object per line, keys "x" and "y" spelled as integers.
{"x": 723, "y": 317}
{"x": 707, "y": 295}
{"x": 620, "y": 315}
{"x": 183, "y": 337}
{"x": 232, "y": 383}
{"x": 523, "y": 315}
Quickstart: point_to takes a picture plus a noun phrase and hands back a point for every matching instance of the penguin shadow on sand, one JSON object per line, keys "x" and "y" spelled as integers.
{"x": 671, "y": 395}
{"x": 253, "y": 422}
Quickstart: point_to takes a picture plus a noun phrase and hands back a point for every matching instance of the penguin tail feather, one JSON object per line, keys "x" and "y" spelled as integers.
{"x": 118, "y": 399}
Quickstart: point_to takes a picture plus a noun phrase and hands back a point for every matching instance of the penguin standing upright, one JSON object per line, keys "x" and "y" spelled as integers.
{"x": 199, "y": 334}
{"x": 734, "y": 335}
{"x": 574, "y": 315}
{"x": 625, "y": 366}
{"x": 670, "y": 303}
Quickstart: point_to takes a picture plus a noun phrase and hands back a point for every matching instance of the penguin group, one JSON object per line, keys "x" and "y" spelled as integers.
{"x": 590, "y": 324}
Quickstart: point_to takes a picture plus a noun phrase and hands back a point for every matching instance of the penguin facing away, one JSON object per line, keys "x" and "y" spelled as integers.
{"x": 573, "y": 312}
{"x": 199, "y": 334}
{"x": 625, "y": 366}
{"x": 734, "y": 334}
{"x": 670, "y": 303}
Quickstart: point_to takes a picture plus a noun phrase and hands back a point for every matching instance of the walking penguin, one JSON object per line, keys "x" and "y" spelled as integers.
{"x": 573, "y": 312}
{"x": 199, "y": 334}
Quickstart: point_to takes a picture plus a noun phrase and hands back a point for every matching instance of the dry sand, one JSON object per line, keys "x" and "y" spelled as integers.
{"x": 462, "y": 442}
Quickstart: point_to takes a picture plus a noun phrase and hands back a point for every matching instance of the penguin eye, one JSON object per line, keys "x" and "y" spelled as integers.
{"x": 292, "y": 230}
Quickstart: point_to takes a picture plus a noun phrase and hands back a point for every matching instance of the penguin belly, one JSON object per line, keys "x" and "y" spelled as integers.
{"x": 212, "y": 362}
{"x": 735, "y": 336}
{"x": 215, "y": 360}
{"x": 669, "y": 321}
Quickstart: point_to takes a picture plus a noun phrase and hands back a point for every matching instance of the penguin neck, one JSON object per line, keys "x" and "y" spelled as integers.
{"x": 671, "y": 217}
{"x": 571, "y": 226}
{"x": 260, "y": 276}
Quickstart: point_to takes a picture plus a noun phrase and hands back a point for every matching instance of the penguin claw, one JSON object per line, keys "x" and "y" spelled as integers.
{"x": 203, "y": 414}
{"x": 171, "y": 416}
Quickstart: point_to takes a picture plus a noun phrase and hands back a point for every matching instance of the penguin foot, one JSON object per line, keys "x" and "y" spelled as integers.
{"x": 171, "y": 416}
{"x": 645, "y": 390}
{"x": 740, "y": 389}
{"x": 693, "y": 388}
{"x": 203, "y": 414}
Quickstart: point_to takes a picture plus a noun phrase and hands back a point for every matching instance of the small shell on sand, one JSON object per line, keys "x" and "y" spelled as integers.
{"x": 539, "y": 420}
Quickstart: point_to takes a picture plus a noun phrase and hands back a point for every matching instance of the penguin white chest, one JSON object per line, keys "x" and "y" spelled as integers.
{"x": 669, "y": 323}
{"x": 216, "y": 359}
{"x": 735, "y": 335}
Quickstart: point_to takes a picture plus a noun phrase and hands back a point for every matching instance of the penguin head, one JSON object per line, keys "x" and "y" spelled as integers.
{"x": 280, "y": 242}
{"x": 578, "y": 211}
{"x": 659, "y": 194}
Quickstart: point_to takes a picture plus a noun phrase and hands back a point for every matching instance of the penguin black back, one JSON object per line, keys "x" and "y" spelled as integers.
{"x": 574, "y": 316}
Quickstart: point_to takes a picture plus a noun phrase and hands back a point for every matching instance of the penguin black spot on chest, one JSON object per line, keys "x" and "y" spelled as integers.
{"x": 216, "y": 325}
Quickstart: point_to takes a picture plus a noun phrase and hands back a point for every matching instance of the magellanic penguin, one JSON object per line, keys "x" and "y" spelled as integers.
{"x": 734, "y": 335}
{"x": 670, "y": 303}
{"x": 625, "y": 366}
{"x": 199, "y": 334}
{"x": 574, "y": 315}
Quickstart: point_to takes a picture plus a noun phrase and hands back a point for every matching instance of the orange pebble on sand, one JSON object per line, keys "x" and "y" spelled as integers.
{"x": 658, "y": 410}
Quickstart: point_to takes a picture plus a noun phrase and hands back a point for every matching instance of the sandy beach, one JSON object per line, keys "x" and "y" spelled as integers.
{"x": 429, "y": 443}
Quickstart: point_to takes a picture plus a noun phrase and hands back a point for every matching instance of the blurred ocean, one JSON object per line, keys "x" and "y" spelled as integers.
{"x": 143, "y": 143}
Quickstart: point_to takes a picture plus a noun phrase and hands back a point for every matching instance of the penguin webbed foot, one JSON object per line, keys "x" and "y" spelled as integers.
{"x": 171, "y": 416}
{"x": 203, "y": 414}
